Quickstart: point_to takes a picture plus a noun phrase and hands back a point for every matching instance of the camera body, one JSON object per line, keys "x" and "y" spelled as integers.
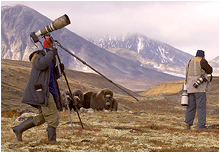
{"x": 199, "y": 81}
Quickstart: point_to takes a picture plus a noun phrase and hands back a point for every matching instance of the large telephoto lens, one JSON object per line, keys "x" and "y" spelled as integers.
{"x": 60, "y": 22}
{"x": 56, "y": 24}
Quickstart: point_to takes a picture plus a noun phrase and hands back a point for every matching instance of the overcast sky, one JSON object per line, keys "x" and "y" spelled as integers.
{"x": 186, "y": 25}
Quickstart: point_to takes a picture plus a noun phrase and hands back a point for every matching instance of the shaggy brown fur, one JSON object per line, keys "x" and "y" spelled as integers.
{"x": 78, "y": 98}
{"x": 103, "y": 100}
{"x": 87, "y": 99}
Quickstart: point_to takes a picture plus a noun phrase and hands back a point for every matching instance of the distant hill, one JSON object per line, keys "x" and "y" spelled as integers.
{"x": 164, "y": 88}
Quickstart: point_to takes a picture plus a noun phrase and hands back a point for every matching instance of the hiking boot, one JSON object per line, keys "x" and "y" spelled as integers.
{"x": 25, "y": 125}
{"x": 187, "y": 126}
{"x": 51, "y": 133}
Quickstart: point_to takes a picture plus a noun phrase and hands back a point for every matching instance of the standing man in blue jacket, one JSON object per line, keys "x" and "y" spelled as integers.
{"x": 42, "y": 92}
{"x": 196, "y": 69}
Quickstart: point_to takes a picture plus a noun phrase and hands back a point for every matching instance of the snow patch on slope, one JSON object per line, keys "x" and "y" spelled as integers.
{"x": 140, "y": 44}
{"x": 162, "y": 50}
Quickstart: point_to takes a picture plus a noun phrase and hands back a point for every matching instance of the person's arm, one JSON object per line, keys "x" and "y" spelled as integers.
{"x": 205, "y": 66}
{"x": 42, "y": 62}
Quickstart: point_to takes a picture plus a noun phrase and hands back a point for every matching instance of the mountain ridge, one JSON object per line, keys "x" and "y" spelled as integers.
{"x": 146, "y": 47}
{"x": 150, "y": 52}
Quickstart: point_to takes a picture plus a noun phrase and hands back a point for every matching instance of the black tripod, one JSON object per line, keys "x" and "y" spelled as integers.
{"x": 71, "y": 95}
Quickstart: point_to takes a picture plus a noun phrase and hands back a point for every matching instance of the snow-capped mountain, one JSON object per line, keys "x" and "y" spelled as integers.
{"x": 151, "y": 53}
{"x": 148, "y": 48}
{"x": 19, "y": 21}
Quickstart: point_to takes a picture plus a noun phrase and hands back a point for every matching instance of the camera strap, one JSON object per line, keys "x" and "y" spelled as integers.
{"x": 187, "y": 71}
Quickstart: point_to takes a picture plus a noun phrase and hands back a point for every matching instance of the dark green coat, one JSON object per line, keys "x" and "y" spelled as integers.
{"x": 37, "y": 89}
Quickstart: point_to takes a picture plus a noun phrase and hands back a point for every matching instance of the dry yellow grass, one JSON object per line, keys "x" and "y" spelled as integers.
{"x": 115, "y": 131}
{"x": 160, "y": 128}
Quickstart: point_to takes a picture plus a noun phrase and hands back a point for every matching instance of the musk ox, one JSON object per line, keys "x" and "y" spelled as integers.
{"x": 103, "y": 100}
{"x": 95, "y": 100}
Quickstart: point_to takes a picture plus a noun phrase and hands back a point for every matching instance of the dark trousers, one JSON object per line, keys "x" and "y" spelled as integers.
{"x": 197, "y": 101}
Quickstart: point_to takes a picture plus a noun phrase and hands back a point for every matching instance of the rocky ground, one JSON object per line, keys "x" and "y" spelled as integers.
{"x": 122, "y": 131}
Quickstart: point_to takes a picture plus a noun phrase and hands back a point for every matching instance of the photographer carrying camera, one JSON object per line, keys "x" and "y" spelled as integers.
{"x": 42, "y": 92}
{"x": 198, "y": 78}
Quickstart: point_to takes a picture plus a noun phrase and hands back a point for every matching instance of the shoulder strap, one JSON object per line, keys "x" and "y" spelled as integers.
{"x": 187, "y": 70}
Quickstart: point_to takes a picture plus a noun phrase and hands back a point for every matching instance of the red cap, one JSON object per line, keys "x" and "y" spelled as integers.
{"x": 47, "y": 43}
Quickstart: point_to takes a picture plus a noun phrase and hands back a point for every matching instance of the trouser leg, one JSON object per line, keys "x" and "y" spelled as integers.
{"x": 39, "y": 119}
{"x": 51, "y": 116}
{"x": 190, "y": 110}
{"x": 48, "y": 114}
{"x": 201, "y": 109}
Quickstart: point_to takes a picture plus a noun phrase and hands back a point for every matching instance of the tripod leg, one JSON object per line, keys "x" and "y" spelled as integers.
{"x": 71, "y": 95}
{"x": 77, "y": 113}
{"x": 71, "y": 122}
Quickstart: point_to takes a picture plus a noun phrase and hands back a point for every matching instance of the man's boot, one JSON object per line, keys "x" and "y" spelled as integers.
{"x": 51, "y": 133}
{"x": 25, "y": 125}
